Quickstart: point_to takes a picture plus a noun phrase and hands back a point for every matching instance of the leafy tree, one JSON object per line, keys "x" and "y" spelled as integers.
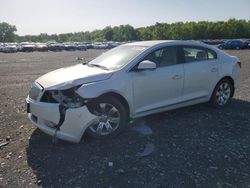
{"x": 145, "y": 33}
{"x": 160, "y": 31}
{"x": 108, "y": 33}
{"x": 7, "y": 32}
{"x": 97, "y": 36}
{"x": 124, "y": 33}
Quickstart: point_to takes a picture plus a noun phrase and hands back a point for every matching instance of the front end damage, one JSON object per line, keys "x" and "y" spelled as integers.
{"x": 62, "y": 114}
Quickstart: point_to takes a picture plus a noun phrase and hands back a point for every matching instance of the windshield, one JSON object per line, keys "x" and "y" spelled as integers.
{"x": 118, "y": 57}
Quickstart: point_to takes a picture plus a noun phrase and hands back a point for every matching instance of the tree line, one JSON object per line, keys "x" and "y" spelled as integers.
{"x": 229, "y": 29}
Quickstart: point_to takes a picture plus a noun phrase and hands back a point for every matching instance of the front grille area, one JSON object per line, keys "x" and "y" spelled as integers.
{"x": 47, "y": 97}
{"x": 35, "y": 90}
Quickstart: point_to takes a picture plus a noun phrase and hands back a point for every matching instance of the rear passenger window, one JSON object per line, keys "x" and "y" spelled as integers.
{"x": 211, "y": 54}
{"x": 192, "y": 54}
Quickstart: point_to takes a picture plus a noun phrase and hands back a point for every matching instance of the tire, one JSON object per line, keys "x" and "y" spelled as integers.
{"x": 111, "y": 112}
{"x": 222, "y": 93}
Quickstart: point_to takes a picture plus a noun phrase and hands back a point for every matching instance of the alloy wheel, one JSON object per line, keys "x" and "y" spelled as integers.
{"x": 108, "y": 119}
{"x": 223, "y": 93}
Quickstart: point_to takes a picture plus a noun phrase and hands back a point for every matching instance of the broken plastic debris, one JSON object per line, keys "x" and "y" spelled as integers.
{"x": 110, "y": 164}
{"x": 149, "y": 148}
{"x": 120, "y": 171}
{"x": 79, "y": 58}
{"x": 142, "y": 128}
{"x": 4, "y": 144}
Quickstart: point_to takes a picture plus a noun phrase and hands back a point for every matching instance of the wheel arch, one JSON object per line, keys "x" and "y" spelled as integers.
{"x": 118, "y": 96}
{"x": 229, "y": 78}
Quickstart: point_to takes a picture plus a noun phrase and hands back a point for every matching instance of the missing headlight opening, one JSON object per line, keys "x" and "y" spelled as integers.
{"x": 68, "y": 98}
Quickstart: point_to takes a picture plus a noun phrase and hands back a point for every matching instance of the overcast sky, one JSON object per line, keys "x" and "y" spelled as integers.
{"x": 61, "y": 16}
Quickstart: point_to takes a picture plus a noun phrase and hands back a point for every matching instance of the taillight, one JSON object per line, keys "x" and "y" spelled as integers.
{"x": 239, "y": 63}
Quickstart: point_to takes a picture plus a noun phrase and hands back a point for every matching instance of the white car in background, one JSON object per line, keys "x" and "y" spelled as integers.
{"x": 130, "y": 81}
{"x": 9, "y": 48}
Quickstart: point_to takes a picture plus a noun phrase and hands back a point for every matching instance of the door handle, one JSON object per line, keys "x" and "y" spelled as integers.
{"x": 176, "y": 77}
{"x": 214, "y": 69}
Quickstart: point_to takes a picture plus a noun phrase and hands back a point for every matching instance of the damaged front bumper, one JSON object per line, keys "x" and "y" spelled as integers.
{"x": 64, "y": 123}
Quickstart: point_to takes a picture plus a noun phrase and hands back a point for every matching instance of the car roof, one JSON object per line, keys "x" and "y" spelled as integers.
{"x": 161, "y": 42}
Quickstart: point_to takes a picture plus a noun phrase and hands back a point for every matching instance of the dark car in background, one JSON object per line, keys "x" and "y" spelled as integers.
{"x": 80, "y": 46}
{"x": 69, "y": 46}
{"x": 234, "y": 44}
{"x": 56, "y": 47}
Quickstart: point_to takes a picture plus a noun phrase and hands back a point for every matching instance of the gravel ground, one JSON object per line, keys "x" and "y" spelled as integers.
{"x": 197, "y": 146}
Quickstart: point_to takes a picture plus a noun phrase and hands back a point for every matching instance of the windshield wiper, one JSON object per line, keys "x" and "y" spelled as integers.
{"x": 99, "y": 66}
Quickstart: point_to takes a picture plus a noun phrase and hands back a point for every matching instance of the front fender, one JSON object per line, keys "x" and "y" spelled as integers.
{"x": 96, "y": 89}
{"x": 91, "y": 90}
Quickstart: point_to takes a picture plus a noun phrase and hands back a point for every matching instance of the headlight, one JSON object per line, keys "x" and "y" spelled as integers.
{"x": 69, "y": 98}
{"x": 35, "y": 90}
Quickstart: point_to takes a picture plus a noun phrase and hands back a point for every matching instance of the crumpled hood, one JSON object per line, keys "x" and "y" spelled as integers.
{"x": 68, "y": 77}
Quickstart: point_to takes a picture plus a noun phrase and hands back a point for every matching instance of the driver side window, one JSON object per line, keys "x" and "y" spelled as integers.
{"x": 163, "y": 57}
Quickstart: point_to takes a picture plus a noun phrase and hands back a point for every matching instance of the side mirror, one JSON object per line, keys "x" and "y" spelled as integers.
{"x": 146, "y": 65}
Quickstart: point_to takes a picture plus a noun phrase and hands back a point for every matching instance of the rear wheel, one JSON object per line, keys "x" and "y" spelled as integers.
{"x": 112, "y": 118}
{"x": 222, "y": 93}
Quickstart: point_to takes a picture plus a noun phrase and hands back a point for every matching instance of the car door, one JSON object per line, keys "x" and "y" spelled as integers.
{"x": 201, "y": 70}
{"x": 155, "y": 89}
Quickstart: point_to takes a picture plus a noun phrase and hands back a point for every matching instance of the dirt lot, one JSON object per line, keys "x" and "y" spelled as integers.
{"x": 196, "y": 146}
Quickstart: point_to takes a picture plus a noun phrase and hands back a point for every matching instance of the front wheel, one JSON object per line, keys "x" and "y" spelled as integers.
{"x": 112, "y": 118}
{"x": 222, "y": 93}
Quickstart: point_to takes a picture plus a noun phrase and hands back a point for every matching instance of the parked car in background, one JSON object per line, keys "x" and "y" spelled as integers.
{"x": 213, "y": 42}
{"x": 9, "y": 48}
{"x": 27, "y": 46}
{"x": 69, "y": 46}
{"x": 113, "y": 44}
{"x": 55, "y": 47}
{"x": 80, "y": 46}
{"x": 41, "y": 47}
{"x": 130, "y": 81}
{"x": 1, "y": 47}
{"x": 248, "y": 42}
{"x": 234, "y": 44}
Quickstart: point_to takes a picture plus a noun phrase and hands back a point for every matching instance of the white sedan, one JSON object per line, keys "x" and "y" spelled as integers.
{"x": 130, "y": 81}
